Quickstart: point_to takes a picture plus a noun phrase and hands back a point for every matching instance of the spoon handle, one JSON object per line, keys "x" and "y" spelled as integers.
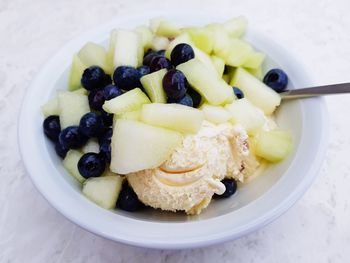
{"x": 316, "y": 91}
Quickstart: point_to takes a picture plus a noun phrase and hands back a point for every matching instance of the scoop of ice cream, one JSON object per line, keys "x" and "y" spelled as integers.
{"x": 191, "y": 176}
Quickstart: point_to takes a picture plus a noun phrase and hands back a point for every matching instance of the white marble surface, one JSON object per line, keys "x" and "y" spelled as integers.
{"x": 316, "y": 229}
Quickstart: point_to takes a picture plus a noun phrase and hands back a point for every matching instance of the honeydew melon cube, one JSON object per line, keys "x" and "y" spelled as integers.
{"x": 237, "y": 53}
{"x": 236, "y": 26}
{"x": 131, "y": 115}
{"x": 215, "y": 114}
{"x": 254, "y": 60}
{"x": 70, "y": 162}
{"x": 173, "y": 116}
{"x": 256, "y": 72}
{"x": 153, "y": 84}
{"x": 92, "y": 54}
{"x": 256, "y": 91}
{"x": 50, "y": 107}
{"x": 91, "y": 146}
{"x": 129, "y": 101}
{"x": 154, "y": 23}
{"x": 146, "y": 36}
{"x": 128, "y": 48}
{"x": 137, "y": 146}
{"x": 103, "y": 191}
{"x": 160, "y": 43}
{"x": 201, "y": 37}
{"x": 76, "y": 71}
{"x": 111, "y": 49}
{"x": 219, "y": 65}
{"x": 167, "y": 29}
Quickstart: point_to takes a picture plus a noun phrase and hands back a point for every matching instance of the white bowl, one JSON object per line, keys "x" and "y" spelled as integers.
{"x": 256, "y": 204}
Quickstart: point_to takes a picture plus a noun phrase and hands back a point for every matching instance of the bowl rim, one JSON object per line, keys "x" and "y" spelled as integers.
{"x": 155, "y": 234}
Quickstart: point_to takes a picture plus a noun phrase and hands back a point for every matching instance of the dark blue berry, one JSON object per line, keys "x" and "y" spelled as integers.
{"x": 110, "y": 91}
{"x": 160, "y": 62}
{"x": 181, "y": 53}
{"x": 196, "y": 97}
{"x": 91, "y": 165}
{"x": 276, "y": 79}
{"x": 93, "y": 78}
{"x": 144, "y": 70}
{"x": 96, "y": 99}
{"x": 175, "y": 84}
{"x": 186, "y": 100}
{"x": 72, "y": 138}
{"x": 107, "y": 80}
{"x": 231, "y": 188}
{"x": 238, "y": 93}
{"x": 106, "y": 136}
{"x": 52, "y": 127}
{"x": 126, "y": 78}
{"x": 60, "y": 150}
{"x": 150, "y": 55}
{"x": 105, "y": 151}
{"x": 91, "y": 125}
{"x": 128, "y": 199}
{"x": 107, "y": 118}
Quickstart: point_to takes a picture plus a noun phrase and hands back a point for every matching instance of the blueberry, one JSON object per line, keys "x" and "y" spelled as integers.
{"x": 91, "y": 165}
{"x": 160, "y": 62}
{"x": 60, "y": 150}
{"x": 107, "y": 118}
{"x": 186, "y": 100}
{"x": 276, "y": 79}
{"x": 72, "y": 138}
{"x": 231, "y": 188}
{"x": 96, "y": 99}
{"x": 144, "y": 70}
{"x": 106, "y": 136}
{"x": 128, "y": 199}
{"x": 126, "y": 78}
{"x": 175, "y": 84}
{"x": 150, "y": 55}
{"x": 107, "y": 80}
{"x": 196, "y": 97}
{"x": 238, "y": 93}
{"x": 111, "y": 91}
{"x": 105, "y": 150}
{"x": 93, "y": 78}
{"x": 91, "y": 125}
{"x": 52, "y": 127}
{"x": 181, "y": 53}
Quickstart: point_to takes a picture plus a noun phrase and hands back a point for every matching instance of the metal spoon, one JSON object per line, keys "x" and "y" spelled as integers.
{"x": 316, "y": 91}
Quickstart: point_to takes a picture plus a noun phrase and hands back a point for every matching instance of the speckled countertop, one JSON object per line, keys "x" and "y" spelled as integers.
{"x": 316, "y": 229}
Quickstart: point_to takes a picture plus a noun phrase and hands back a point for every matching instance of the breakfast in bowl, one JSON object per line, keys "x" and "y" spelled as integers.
{"x": 167, "y": 117}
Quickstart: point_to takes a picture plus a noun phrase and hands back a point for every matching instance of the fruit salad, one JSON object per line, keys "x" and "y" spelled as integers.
{"x": 167, "y": 117}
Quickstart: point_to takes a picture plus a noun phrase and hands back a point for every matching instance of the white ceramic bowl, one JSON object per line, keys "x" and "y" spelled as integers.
{"x": 256, "y": 204}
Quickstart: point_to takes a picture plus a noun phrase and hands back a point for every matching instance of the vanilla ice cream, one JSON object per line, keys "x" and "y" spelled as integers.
{"x": 192, "y": 175}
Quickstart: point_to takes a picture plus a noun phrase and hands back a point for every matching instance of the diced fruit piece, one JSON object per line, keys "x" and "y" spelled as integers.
{"x": 72, "y": 138}
{"x": 128, "y": 199}
{"x": 230, "y": 188}
{"x": 91, "y": 146}
{"x": 175, "y": 84}
{"x": 167, "y": 29}
{"x": 152, "y": 83}
{"x": 254, "y": 60}
{"x": 146, "y": 37}
{"x": 70, "y": 162}
{"x": 154, "y": 23}
{"x": 129, "y": 101}
{"x": 246, "y": 114}
{"x": 92, "y": 54}
{"x": 160, "y": 43}
{"x": 186, "y": 100}
{"x": 93, "y": 78}
{"x": 72, "y": 107}
{"x": 206, "y": 82}
{"x": 111, "y": 49}
{"x": 201, "y": 37}
{"x": 127, "y": 49}
{"x": 256, "y": 91}
{"x": 52, "y": 127}
{"x": 237, "y": 52}
{"x": 181, "y": 53}
{"x": 103, "y": 191}
{"x": 50, "y": 107}
{"x": 76, "y": 71}
{"x": 221, "y": 39}
{"x": 81, "y": 91}
{"x": 131, "y": 115}
{"x": 256, "y": 72}
{"x": 126, "y": 77}
{"x": 172, "y": 116}
{"x": 273, "y": 145}
{"x": 236, "y": 26}
{"x": 219, "y": 65}
{"x": 91, "y": 165}
{"x": 183, "y": 38}
{"x": 215, "y": 114}
{"x": 137, "y": 146}
{"x": 160, "y": 62}
{"x": 276, "y": 79}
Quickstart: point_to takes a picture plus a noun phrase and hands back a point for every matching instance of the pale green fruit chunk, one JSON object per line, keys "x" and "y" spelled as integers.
{"x": 173, "y": 116}
{"x": 274, "y": 145}
{"x": 219, "y": 65}
{"x": 254, "y": 60}
{"x": 146, "y": 36}
{"x": 237, "y": 53}
{"x": 137, "y": 146}
{"x": 76, "y": 71}
{"x": 129, "y": 101}
{"x": 256, "y": 91}
{"x": 256, "y": 72}
{"x": 72, "y": 106}
{"x": 160, "y": 43}
{"x": 206, "y": 82}
{"x": 167, "y": 29}
{"x": 201, "y": 37}
{"x": 92, "y": 54}
{"x": 91, "y": 146}
{"x": 50, "y": 107}
{"x": 153, "y": 84}
{"x": 245, "y": 113}
{"x": 215, "y": 114}
{"x": 70, "y": 162}
{"x": 103, "y": 191}
{"x": 236, "y": 27}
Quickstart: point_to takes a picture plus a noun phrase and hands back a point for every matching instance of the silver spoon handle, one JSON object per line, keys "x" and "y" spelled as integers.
{"x": 316, "y": 91}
